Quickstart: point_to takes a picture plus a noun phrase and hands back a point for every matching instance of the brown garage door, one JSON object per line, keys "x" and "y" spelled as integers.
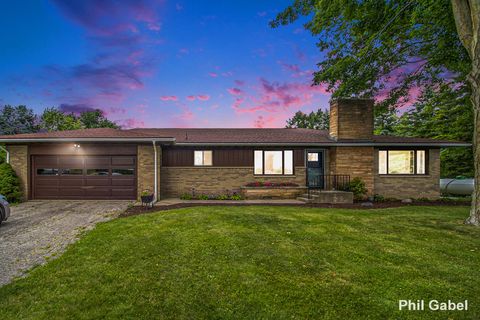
{"x": 84, "y": 177}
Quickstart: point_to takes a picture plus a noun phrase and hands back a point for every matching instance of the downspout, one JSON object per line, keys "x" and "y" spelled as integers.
{"x": 7, "y": 152}
{"x": 155, "y": 184}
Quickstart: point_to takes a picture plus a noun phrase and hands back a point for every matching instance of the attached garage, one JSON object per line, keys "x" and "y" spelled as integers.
{"x": 83, "y": 177}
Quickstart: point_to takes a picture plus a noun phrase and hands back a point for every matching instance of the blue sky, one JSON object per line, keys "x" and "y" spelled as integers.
{"x": 159, "y": 63}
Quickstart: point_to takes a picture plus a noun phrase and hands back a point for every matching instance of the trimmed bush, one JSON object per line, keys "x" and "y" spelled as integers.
{"x": 357, "y": 186}
{"x": 10, "y": 184}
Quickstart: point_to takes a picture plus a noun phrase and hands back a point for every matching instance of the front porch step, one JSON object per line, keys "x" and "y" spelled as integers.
{"x": 305, "y": 199}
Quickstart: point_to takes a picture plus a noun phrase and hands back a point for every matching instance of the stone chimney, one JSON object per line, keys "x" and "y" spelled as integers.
{"x": 351, "y": 118}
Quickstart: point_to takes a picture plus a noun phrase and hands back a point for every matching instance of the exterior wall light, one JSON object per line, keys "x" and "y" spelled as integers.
{"x": 76, "y": 146}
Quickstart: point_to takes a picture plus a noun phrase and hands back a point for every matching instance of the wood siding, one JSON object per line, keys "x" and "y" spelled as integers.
{"x": 222, "y": 156}
{"x": 85, "y": 149}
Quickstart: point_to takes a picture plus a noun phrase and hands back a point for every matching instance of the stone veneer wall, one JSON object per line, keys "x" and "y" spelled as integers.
{"x": 215, "y": 180}
{"x": 411, "y": 186}
{"x": 145, "y": 169}
{"x": 19, "y": 162}
{"x": 355, "y": 162}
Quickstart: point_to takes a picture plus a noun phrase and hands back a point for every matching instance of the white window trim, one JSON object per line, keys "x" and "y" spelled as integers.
{"x": 415, "y": 164}
{"x": 283, "y": 163}
{"x": 203, "y": 158}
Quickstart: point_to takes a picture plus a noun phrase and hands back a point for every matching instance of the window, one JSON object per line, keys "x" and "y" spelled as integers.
{"x": 258, "y": 161}
{"x": 312, "y": 156}
{"x": 203, "y": 158}
{"x": 402, "y": 162}
{"x": 72, "y": 172}
{"x": 97, "y": 172}
{"x": 47, "y": 172}
{"x": 273, "y": 162}
{"x": 288, "y": 162}
{"x": 123, "y": 172}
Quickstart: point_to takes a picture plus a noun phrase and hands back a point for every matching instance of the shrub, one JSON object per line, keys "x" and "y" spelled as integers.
{"x": 146, "y": 193}
{"x": 357, "y": 186}
{"x": 203, "y": 197}
{"x": 378, "y": 198}
{"x": 186, "y": 196}
{"x": 236, "y": 197}
{"x": 10, "y": 184}
{"x": 223, "y": 197}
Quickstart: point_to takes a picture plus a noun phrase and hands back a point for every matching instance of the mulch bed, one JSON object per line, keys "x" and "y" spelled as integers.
{"x": 136, "y": 210}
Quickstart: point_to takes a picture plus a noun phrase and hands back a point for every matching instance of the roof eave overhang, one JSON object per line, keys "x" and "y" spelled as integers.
{"x": 283, "y": 144}
{"x": 332, "y": 144}
{"x": 170, "y": 140}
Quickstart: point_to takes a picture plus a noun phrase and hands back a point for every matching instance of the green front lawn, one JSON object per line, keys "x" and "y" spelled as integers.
{"x": 259, "y": 262}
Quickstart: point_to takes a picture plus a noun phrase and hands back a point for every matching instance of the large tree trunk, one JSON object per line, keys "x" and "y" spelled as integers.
{"x": 467, "y": 20}
{"x": 474, "y": 80}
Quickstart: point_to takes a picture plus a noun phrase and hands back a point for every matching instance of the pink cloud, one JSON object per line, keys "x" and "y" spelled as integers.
{"x": 169, "y": 98}
{"x": 235, "y": 91}
{"x": 131, "y": 123}
{"x": 239, "y": 83}
{"x": 203, "y": 97}
{"x": 262, "y": 122}
{"x": 191, "y": 98}
{"x": 213, "y": 74}
{"x": 275, "y": 97}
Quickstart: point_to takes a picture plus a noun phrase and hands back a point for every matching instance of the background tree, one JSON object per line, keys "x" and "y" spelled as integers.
{"x": 314, "y": 120}
{"x": 53, "y": 119}
{"x": 15, "y": 120}
{"x": 96, "y": 119}
{"x": 393, "y": 46}
{"x": 446, "y": 114}
{"x": 386, "y": 121}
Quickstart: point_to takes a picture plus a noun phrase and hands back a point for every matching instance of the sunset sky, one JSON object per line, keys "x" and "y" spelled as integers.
{"x": 159, "y": 63}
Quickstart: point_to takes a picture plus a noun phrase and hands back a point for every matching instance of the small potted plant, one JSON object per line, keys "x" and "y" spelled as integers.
{"x": 147, "y": 197}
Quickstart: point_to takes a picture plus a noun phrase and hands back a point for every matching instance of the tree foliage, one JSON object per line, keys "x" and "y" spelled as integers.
{"x": 96, "y": 119}
{"x": 445, "y": 114}
{"x": 19, "y": 119}
{"x": 53, "y": 119}
{"x": 314, "y": 120}
{"x": 381, "y": 46}
{"x": 10, "y": 184}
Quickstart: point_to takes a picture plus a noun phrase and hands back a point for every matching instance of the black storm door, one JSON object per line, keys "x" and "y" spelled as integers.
{"x": 315, "y": 169}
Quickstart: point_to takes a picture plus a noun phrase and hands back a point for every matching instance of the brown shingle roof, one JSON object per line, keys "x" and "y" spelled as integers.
{"x": 222, "y": 136}
{"x": 250, "y": 135}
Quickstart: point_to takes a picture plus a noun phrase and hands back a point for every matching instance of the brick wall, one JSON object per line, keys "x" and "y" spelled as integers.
{"x": 411, "y": 186}
{"x": 351, "y": 119}
{"x": 353, "y": 161}
{"x": 19, "y": 163}
{"x": 145, "y": 168}
{"x": 215, "y": 180}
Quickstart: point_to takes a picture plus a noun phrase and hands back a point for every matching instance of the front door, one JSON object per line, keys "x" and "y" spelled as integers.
{"x": 315, "y": 169}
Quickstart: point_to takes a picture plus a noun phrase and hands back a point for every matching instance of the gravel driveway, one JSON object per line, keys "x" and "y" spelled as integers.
{"x": 40, "y": 229}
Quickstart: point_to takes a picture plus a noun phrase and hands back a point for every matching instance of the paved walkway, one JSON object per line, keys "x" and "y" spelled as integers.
{"x": 176, "y": 201}
{"x": 40, "y": 229}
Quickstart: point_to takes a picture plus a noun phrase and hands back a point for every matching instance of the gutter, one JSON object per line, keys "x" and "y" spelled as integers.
{"x": 89, "y": 140}
{"x": 298, "y": 144}
{"x": 155, "y": 170}
{"x": 7, "y": 152}
{"x": 333, "y": 144}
